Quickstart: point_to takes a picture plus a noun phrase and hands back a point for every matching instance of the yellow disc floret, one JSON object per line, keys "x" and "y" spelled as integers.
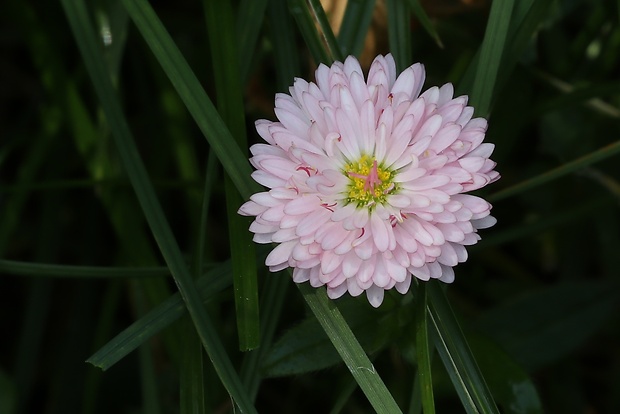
{"x": 370, "y": 183}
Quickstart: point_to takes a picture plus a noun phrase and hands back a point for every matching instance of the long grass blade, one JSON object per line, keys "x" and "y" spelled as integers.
{"x": 230, "y": 105}
{"x": 399, "y": 34}
{"x": 425, "y": 21}
{"x": 193, "y": 95}
{"x": 349, "y": 349}
{"x": 456, "y": 355}
{"x": 83, "y": 32}
{"x": 54, "y": 270}
{"x": 326, "y": 31}
{"x": 306, "y": 24}
{"x": 250, "y": 18}
{"x": 578, "y": 164}
{"x": 423, "y": 352}
{"x": 158, "y": 318}
{"x": 354, "y": 27}
{"x": 491, "y": 53}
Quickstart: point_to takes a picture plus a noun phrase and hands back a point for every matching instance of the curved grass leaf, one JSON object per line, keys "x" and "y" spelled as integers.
{"x": 320, "y": 18}
{"x": 456, "y": 355}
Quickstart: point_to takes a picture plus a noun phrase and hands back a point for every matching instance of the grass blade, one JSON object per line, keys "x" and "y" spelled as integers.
{"x": 193, "y": 95}
{"x": 230, "y": 105}
{"x": 249, "y": 21}
{"x": 491, "y": 53}
{"x": 54, "y": 270}
{"x": 354, "y": 27}
{"x": 580, "y": 163}
{"x": 320, "y": 18}
{"x": 456, "y": 355}
{"x": 300, "y": 11}
{"x": 399, "y": 34}
{"x": 157, "y": 319}
{"x": 423, "y": 351}
{"x": 83, "y": 32}
{"x": 349, "y": 349}
{"x": 424, "y": 20}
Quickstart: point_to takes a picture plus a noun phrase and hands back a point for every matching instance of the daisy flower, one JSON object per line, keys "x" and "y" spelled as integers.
{"x": 367, "y": 178}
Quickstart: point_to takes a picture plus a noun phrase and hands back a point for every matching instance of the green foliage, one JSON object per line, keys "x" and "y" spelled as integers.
{"x": 130, "y": 284}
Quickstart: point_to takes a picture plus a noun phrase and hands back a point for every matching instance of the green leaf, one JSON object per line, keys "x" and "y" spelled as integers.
{"x": 423, "y": 352}
{"x": 248, "y": 24}
{"x": 547, "y": 325}
{"x": 318, "y": 13}
{"x": 567, "y": 168}
{"x": 349, "y": 349}
{"x": 54, "y": 270}
{"x": 420, "y": 13}
{"x": 456, "y": 355}
{"x": 399, "y": 34}
{"x": 140, "y": 11}
{"x": 230, "y": 105}
{"x": 512, "y": 387}
{"x": 306, "y": 347}
{"x": 491, "y": 53}
{"x": 354, "y": 27}
{"x": 306, "y": 24}
{"x": 157, "y": 319}
{"x": 193, "y": 95}
{"x": 191, "y": 377}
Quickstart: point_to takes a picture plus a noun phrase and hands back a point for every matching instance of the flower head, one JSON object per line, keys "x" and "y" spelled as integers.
{"x": 366, "y": 180}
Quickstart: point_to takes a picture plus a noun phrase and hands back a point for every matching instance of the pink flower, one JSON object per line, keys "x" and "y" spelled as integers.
{"x": 366, "y": 180}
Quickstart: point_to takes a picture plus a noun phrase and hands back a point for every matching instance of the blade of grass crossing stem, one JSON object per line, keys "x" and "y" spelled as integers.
{"x": 305, "y": 23}
{"x": 83, "y": 32}
{"x": 491, "y": 53}
{"x": 399, "y": 35}
{"x": 193, "y": 95}
{"x": 249, "y": 21}
{"x": 424, "y": 20}
{"x": 326, "y": 30}
{"x": 230, "y": 105}
{"x": 456, "y": 355}
{"x": 354, "y": 27}
{"x": 349, "y": 349}
{"x": 591, "y": 158}
{"x": 157, "y": 319}
{"x": 423, "y": 352}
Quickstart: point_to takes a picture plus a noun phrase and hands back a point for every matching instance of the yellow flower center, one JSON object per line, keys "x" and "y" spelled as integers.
{"x": 370, "y": 183}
